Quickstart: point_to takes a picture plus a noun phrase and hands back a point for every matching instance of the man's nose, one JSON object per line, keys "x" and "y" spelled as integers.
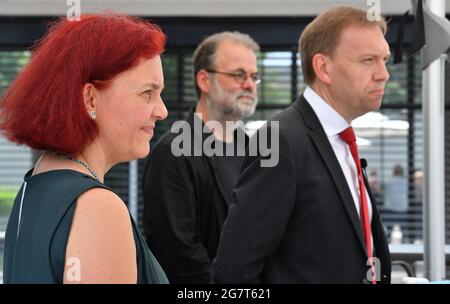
{"x": 249, "y": 84}
{"x": 382, "y": 73}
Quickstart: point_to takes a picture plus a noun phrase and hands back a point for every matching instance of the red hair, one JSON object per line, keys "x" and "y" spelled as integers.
{"x": 43, "y": 108}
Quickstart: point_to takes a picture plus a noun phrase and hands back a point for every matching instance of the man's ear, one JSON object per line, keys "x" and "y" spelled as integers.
{"x": 203, "y": 81}
{"x": 90, "y": 97}
{"x": 322, "y": 65}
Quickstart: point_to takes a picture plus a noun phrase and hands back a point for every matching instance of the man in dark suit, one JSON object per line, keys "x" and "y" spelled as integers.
{"x": 191, "y": 172}
{"x": 311, "y": 217}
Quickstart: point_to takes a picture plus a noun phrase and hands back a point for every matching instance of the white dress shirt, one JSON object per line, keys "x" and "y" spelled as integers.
{"x": 333, "y": 124}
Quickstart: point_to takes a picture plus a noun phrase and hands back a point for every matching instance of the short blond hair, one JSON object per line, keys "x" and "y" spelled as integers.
{"x": 322, "y": 34}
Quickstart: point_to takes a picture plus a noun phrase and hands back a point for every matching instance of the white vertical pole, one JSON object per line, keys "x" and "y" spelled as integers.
{"x": 434, "y": 169}
{"x": 133, "y": 175}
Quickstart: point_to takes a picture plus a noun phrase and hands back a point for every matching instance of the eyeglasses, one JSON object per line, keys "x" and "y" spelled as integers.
{"x": 241, "y": 76}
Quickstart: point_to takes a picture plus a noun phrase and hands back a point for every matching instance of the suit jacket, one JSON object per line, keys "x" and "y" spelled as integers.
{"x": 184, "y": 207}
{"x": 296, "y": 222}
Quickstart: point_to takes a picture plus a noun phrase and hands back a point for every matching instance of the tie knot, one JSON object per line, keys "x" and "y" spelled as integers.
{"x": 348, "y": 135}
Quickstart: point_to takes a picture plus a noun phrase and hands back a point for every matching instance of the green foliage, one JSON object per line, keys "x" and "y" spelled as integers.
{"x": 7, "y": 196}
{"x": 11, "y": 63}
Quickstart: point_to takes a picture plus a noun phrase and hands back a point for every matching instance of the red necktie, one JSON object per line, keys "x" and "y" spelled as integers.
{"x": 348, "y": 135}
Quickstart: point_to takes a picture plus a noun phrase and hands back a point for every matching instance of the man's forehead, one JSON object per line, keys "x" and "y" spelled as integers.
{"x": 231, "y": 49}
{"x": 234, "y": 59}
{"x": 363, "y": 40}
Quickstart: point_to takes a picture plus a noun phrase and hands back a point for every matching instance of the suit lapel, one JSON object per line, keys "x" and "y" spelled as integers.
{"x": 322, "y": 144}
{"x": 376, "y": 220}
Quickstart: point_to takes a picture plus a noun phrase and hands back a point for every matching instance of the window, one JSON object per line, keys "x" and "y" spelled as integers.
{"x": 14, "y": 160}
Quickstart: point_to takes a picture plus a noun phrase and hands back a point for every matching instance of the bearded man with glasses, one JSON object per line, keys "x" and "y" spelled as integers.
{"x": 186, "y": 195}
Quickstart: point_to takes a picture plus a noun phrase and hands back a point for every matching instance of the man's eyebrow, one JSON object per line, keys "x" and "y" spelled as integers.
{"x": 375, "y": 55}
{"x": 242, "y": 71}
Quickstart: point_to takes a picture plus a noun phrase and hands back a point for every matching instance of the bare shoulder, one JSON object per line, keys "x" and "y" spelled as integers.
{"x": 103, "y": 203}
{"x": 101, "y": 238}
{"x": 103, "y": 211}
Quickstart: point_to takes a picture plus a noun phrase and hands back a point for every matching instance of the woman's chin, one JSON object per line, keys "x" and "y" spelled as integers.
{"x": 143, "y": 153}
{"x": 140, "y": 153}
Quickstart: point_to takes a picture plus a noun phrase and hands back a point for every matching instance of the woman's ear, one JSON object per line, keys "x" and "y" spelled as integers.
{"x": 322, "y": 65}
{"x": 90, "y": 99}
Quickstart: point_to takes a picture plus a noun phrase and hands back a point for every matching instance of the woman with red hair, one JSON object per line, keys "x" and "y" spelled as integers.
{"x": 89, "y": 98}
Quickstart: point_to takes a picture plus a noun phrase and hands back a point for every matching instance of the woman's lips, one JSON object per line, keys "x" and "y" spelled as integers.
{"x": 148, "y": 129}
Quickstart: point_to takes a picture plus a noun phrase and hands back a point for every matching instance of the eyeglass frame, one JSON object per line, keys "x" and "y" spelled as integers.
{"x": 238, "y": 74}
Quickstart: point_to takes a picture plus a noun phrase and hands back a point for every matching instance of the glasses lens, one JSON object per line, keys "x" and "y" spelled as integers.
{"x": 256, "y": 77}
{"x": 240, "y": 77}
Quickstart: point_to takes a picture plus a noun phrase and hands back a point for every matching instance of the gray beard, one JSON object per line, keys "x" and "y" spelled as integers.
{"x": 224, "y": 106}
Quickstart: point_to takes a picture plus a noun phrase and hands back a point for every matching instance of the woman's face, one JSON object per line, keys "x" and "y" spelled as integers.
{"x": 128, "y": 110}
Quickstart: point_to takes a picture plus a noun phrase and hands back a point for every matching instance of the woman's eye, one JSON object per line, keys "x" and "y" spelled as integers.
{"x": 148, "y": 94}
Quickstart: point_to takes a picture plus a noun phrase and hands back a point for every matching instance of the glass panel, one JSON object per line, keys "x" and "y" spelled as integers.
{"x": 383, "y": 141}
{"x": 275, "y": 88}
{"x": 15, "y": 161}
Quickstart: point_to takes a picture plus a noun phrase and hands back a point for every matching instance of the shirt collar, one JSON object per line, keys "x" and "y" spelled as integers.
{"x": 332, "y": 122}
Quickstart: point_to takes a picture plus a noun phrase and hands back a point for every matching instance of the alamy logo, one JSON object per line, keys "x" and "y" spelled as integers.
{"x": 374, "y": 12}
{"x": 375, "y": 269}
{"x": 265, "y": 143}
{"x": 73, "y": 269}
{"x": 74, "y": 11}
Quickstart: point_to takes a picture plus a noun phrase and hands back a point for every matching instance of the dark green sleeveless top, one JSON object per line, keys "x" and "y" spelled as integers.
{"x": 36, "y": 254}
